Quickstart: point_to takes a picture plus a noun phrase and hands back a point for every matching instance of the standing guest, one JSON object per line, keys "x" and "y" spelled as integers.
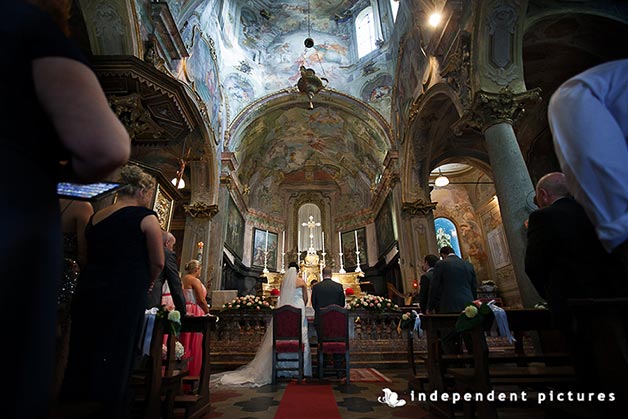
{"x": 196, "y": 305}
{"x": 453, "y": 286}
{"x": 428, "y": 266}
{"x": 52, "y": 108}
{"x": 565, "y": 259}
{"x": 125, "y": 255}
{"x": 169, "y": 276}
{"x": 588, "y": 116}
{"x": 74, "y": 218}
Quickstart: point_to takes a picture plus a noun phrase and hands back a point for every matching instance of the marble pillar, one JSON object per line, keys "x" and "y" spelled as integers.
{"x": 514, "y": 191}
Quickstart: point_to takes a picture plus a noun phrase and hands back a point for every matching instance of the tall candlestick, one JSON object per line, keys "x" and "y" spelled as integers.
{"x": 323, "y": 239}
{"x": 283, "y": 241}
{"x": 266, "y": 245}
{"x": 339, "y": 243}
{"x": 356, "y": 239}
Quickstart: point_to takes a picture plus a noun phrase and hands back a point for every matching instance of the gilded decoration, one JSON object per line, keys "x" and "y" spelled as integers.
{"x": 490, "y": 108}
{"x": 163, "y": 206}
{"x": 134, "y": 116}
{"x": 419, "y": 207}
{"x": 201, "y": 210}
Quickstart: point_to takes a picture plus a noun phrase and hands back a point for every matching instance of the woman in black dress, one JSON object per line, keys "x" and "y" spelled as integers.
{"x": 124, "y": 257}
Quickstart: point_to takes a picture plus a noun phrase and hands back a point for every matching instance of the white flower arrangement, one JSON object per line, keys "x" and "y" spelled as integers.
{"x": 372, "y": 303}
{"x": 247, "y": 302}
{"x": 179, "y": 351}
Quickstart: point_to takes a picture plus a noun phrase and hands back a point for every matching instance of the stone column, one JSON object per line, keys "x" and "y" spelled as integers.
{"x": 198, "y": 223}
{"x": 493, "y": 114}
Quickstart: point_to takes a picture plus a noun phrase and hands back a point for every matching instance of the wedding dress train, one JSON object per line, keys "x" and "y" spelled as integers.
{"x": 258, "y": 372}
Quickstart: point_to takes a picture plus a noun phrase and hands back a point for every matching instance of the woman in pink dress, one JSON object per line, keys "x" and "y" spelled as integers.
{"x": 196, "y": 305}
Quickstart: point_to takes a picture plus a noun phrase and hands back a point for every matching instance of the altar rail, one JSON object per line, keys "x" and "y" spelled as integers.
{"x": 374, "y": 339}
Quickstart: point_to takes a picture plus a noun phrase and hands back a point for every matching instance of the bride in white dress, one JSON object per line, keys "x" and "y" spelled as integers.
{"x": 258, "y": 372}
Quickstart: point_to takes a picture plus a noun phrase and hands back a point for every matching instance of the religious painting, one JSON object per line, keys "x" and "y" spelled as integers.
{"x": 447, "y": 234}
{"x": 384, "y": 228}
{"x": 264, "y": 240}
{"x": 234, "y": 239}
{"x": 202, "y": 70}
{"x": 499, "y": 248}
{"x": 348, "y": 248}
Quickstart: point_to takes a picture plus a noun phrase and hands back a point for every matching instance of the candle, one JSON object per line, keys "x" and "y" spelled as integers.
{"x": 323, "y": 240}
{"x": 339, "y": 242}
{"x": 356, "y": 239}
{"x": 283, "y": 242}
{"x": 299, "y": 241}
{"x": 266, "y": 245}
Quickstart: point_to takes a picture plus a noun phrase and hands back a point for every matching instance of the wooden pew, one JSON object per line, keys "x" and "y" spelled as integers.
{"x": 196, "y": 404}
{"x": 515, "y": 369}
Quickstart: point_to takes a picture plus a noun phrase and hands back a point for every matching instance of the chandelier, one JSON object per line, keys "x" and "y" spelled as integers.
{"x": 309, "y": 83}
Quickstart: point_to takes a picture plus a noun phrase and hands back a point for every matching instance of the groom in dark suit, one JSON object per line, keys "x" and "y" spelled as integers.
{"x": 326, "y": 293}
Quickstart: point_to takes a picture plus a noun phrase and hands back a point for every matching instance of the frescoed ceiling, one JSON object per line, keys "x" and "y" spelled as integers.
{"x": 328, "y": 148}
{"x": 263, "y": 47}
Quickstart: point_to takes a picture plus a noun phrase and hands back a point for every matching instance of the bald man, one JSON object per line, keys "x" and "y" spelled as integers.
{"x": 564, "y": 257}
{"x": 169, "y": 274}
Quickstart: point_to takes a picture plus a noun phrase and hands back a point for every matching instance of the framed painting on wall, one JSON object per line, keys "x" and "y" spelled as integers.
{"x": 499, "y": 248}
{"x": 264, "y": 239}
{"x": 234, "y": 239}
{"x": 348, "y": 248}
{"x": 384, "y": 228}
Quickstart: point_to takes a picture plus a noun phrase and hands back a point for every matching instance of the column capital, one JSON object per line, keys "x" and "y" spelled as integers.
{"x": 418, "y": 207}
{"x": 201, "y": 209}
{"x": 491, "y": 108}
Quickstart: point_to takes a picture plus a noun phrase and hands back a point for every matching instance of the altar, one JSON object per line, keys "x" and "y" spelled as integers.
{"x": 310, "y": 269}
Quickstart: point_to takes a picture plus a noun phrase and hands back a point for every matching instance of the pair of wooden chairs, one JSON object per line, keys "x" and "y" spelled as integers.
{"x": 332, "y": 333}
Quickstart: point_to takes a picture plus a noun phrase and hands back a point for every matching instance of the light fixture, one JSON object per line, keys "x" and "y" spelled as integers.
{"x": 310, "y": 83}
{"x": 179, "y": 183}
{"x": 441, "y": 180}
{"x": 434, "y": 19}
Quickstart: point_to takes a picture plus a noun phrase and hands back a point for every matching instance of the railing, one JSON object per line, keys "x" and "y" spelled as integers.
{"x": 374, "y": 337}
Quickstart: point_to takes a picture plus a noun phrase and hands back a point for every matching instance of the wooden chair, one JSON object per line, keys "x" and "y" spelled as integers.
{"x": 287, "y": 339}
{"x": 196, "y": 404}
{"x": 333, "y": 336}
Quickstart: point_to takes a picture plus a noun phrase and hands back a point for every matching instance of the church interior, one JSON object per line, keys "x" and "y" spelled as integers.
{"x": 360, "y": 135}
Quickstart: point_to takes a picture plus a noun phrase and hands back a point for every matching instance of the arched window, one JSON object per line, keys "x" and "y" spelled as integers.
{"x": 394, "y": 6}
{"x": 365, "y": 32}
{"x": 305, "y": 211}
{"x": 446, "y": 234}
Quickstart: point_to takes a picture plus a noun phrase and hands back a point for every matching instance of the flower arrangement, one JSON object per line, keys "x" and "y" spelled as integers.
{"x": 349, "y": 291}
{"x": 274, "y": 292}
{"x": 247, "y": 302}
{"x": 179, "y": 351}
{"x": 407, "y": 320}
{"x": 488, "y": 286}
{"x": 173, "y": 317}
{"x": 474, "y": 313}
{"x": 372, "y": 303}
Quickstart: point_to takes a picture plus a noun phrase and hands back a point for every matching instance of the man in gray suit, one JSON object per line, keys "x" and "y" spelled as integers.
{"x": 170, "y": 273}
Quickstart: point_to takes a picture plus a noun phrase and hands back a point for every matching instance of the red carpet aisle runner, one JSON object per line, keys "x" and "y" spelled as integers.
{"x": 368, "y": 375}
{"x": 304, "y": 401}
